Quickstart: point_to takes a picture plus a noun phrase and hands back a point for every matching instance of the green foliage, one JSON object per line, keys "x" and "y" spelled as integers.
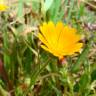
{"x": 47, "y": 4}
{"x": 35, "y": 72}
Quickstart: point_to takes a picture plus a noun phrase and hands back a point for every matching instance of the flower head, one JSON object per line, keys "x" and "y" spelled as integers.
{"x": 59, "y": 39}
{"x": 3, "y": 6}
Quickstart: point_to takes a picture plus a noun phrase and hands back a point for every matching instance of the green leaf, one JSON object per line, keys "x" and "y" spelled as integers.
{"x": 54, "y": 10}
{"x": 82, "y": 57}
{"x": 3, "y": 92}
{"x": 84, "y": 80}
{"x": 70, "y": 10}
{"x": 93, "y": 75}
{"x": 20, "y": 9}
{"x": 47, "y": 4}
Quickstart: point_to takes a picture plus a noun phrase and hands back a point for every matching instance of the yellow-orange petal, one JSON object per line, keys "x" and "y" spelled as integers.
{"x": 44, "y": 47}
{"x": 44, "y": 31}
{"x": 42, "y": 38}
{"x": 47, "y": 49}
{"x": 75, "y": 48}
{"x": 3, "y": 7}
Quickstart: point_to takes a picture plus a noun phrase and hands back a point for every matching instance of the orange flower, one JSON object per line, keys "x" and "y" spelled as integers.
{"x": 59, "y": 39}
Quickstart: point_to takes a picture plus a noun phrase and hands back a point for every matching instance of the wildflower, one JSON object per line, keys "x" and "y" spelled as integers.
{"x": 59, "y": 39}
{"x": 3, "y": 6}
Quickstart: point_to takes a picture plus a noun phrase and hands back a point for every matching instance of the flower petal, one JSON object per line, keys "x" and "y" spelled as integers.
{"x": 47, "y": 49}
{"x": 75, "y": 48}
{"x": 3, "y": 7}
{"x": 41, "y": 37}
